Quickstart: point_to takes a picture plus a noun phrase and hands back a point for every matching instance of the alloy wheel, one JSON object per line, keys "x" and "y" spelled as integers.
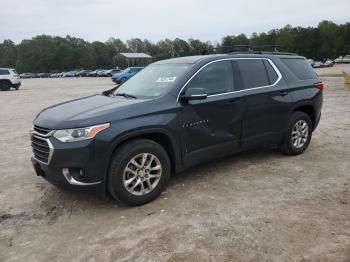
{"x": 142, "y": 174}
{"x": 300, "y": 134}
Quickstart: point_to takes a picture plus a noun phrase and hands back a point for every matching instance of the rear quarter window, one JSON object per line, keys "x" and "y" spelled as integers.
{"x": 300, "y": 67}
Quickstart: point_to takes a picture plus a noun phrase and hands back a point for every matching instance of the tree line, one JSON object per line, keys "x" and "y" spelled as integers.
{"x": 45, "y": 53}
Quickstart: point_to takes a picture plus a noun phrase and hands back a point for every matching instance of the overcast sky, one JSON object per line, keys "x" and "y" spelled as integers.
{"x": 159, "y": 19}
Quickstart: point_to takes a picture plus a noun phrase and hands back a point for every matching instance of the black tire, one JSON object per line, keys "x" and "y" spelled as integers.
{"x": 119, "y": 162}
{"x": 287, "y": 146}
{"x": 5, "y": 86}
{"x": 123, "y": 80}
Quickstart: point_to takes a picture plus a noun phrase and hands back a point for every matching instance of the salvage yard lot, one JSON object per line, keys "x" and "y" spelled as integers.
{"x": 255, "y": 206}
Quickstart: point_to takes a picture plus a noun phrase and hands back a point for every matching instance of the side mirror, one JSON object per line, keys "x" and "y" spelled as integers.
{"x": 194, "y": 94}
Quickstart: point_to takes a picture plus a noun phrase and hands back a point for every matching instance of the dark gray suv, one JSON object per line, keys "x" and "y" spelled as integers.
{"x": 175, "y": 114}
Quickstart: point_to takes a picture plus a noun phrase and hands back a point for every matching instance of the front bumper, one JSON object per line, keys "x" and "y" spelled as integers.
{"x": 79, "y": 166}
{"x": 16, "y": 85}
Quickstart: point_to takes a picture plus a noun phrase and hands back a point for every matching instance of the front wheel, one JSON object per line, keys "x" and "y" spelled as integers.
{"x": 298, "y": 134}
{"x": 139, "y": 171}
{"x": 5, "y": 86}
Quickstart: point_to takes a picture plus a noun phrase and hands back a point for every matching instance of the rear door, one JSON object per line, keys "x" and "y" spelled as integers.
{"x": 212, "y": 127}
{"x": 266, "y": 98}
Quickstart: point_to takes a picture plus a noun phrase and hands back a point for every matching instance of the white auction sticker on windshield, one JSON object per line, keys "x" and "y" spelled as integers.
{"x": 166, "y": 79}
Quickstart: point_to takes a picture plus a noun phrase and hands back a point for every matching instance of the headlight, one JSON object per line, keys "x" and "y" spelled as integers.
{"x": 78, "y": 134}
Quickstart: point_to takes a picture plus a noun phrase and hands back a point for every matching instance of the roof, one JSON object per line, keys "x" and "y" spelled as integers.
{"x": 185, "y": 59}
{"x": 135, "y": 55}
{"x": 206, "y": 58}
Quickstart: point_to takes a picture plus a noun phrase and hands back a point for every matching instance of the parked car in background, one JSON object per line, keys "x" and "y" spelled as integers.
{"x": 328, "y": 63}
{"x": 317, "y": 64}
{"x": 339, "y": 60}
{"x": 9, "y": 78}
{"x": 27, "y": 75}
{"x": 109, "y": 72}
{"x": 94, "y": 73}
{"x": 346, "y": 59}
{"x": 70, "y": 74}
{"x": 112, "y": 72}
{"x": 84, "y": 73}
{"x": 126, "y": 74}
{"x": 43, "y": 75}
{"x": 101, "y": 73}
{"x": 310, "y": 61}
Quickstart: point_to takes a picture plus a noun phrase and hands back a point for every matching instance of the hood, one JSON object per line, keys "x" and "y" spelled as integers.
{"x": 88, "y": 111}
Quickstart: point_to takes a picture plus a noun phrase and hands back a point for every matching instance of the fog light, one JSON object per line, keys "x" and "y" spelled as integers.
{"x": 75, "y": 176}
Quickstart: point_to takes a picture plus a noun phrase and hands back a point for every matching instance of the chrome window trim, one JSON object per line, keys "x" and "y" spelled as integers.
{"x": 50, "y": 152}
{"x": 237, "y": 91}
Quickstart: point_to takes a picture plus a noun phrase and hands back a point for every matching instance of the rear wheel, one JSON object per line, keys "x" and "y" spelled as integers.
{"x": 139, "y": 171}
{"x": 298, "y": 134}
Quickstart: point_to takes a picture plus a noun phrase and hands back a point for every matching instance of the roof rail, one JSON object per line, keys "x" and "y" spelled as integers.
{"x": 248, "y": 49}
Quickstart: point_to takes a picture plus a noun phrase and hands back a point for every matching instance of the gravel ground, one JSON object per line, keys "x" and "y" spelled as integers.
{"x": 255, "y": 206}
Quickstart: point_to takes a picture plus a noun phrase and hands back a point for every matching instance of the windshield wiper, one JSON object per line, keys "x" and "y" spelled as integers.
{"x": 125, "y": 95}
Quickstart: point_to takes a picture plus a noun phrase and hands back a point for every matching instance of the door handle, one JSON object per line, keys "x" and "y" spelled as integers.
{"x": 283, "y": 93}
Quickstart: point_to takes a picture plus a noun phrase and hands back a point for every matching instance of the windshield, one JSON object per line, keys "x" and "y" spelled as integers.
{"x": 153, "y": 81}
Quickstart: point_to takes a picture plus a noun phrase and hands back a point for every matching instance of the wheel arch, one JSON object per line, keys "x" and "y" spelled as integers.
{"x": 158, "y": 135}
{"x": 307, "y": 108}
{"x": 5, "y": 81}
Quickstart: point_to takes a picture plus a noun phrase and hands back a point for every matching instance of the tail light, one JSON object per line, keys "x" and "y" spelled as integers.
{"x": 319, "y": 86}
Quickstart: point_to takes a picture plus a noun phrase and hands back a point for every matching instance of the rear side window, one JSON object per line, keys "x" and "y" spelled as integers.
{"x": 253, "y": 73}
{"x": 216, "y": 78}
{"x": 300, "y": 67}
{"x": 4, "y": 72}
{"x": 271, "y": 73}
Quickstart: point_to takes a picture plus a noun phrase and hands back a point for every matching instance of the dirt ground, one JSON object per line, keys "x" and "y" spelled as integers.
{"x": 255, "y": 206}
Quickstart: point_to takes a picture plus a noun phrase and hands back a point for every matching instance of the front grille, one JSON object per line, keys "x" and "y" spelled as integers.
{"x": 42, "y": 130}
{"x": 41, "y": 149}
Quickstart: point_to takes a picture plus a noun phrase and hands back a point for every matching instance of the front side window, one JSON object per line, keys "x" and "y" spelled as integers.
{"x": 253, "y": 73}
{"x": 216, "y": 78}
{"x": 4, "y": 72}
{"x": 154, "y": 80}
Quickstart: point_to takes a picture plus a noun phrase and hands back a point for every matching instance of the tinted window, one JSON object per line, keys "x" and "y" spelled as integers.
{"x": 216, "y": 78}
{"x": 300, "y": 67}
{"x": 4, "y": 72}
{"x": 271, "y": 73}
{"x": 253, "y": 73}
